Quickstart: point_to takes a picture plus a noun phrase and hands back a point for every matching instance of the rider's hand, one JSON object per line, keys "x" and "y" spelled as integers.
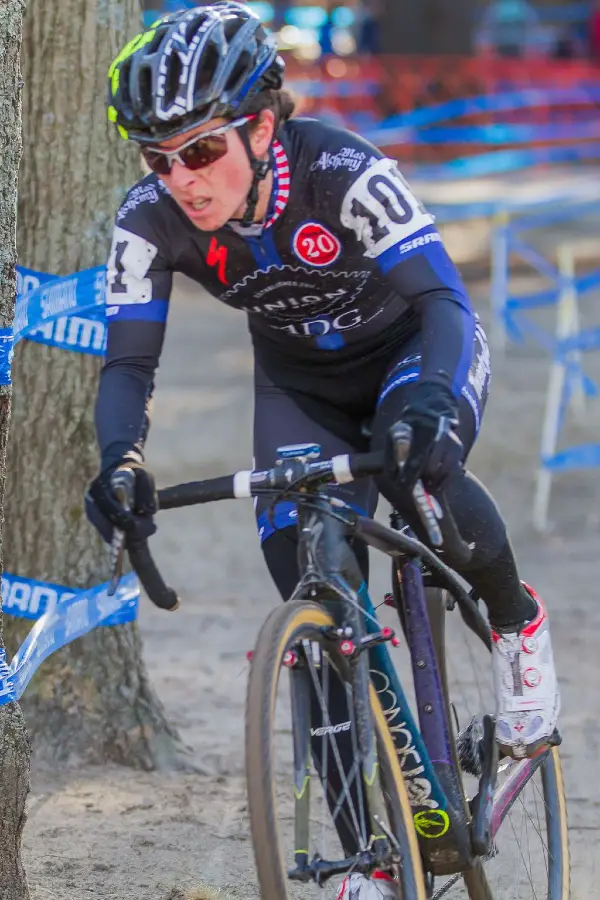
{"x": 436, "y": 452}
{"x": 105, "y": 512}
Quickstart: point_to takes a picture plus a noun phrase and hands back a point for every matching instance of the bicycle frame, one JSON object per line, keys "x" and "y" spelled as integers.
{"x": 452, "y": 836}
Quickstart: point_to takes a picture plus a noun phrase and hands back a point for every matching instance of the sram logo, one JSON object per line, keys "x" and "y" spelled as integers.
{"x": 330, "y": 729}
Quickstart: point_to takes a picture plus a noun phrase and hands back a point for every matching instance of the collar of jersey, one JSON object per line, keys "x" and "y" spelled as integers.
{"x": 279, "y": 195}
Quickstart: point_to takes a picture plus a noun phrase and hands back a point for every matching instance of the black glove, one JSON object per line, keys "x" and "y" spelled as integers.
{"x": 436, "y": 452}
{"x": 105, "y": 512}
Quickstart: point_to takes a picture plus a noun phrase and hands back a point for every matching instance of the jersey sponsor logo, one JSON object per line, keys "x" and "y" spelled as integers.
{"x": 130, "y": 259}
{"x": 433, "y": 237}
{"x": 305, "y": 303}
{"x": 481, "y": 372}
{"x": 316, "y": 245}
{"x": 381, "y": 209}
{"x": 217, "y": 256}
{"x": 346, "y": 158}
{"x": 143, "y": 193}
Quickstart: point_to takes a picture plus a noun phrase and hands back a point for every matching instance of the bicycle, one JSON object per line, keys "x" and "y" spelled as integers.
{"x": 424, "y": 802}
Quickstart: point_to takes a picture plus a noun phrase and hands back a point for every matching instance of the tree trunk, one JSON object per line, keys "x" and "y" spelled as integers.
{"x": 14, "y": 745}
{"x": 92, "y": 700}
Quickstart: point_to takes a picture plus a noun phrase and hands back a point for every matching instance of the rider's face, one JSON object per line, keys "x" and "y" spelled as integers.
{"x": 211, "y": 196}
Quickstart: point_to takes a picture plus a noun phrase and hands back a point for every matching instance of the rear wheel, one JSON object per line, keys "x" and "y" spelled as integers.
{"x": 529, "y": 854}
{"x": 295, "y": 635}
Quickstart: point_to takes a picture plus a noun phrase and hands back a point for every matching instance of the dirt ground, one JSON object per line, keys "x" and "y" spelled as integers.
{"x": 114, "y": 834}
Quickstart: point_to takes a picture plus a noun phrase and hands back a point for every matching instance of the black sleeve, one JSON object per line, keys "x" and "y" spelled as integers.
{"x": 138, "y": 290}
{"x": 126, "y": 385}
{"x": 399, "y": 234}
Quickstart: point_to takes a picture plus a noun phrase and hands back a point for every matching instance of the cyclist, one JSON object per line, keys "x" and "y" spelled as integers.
{"x": 357, "y": 316}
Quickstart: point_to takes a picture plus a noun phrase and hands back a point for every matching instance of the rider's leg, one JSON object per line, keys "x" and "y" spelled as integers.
{"x": 526, "y": 686}
{"x": 283, "y": 416}
{"x": 492, "y": 570}
{"x": 280, "y": 420}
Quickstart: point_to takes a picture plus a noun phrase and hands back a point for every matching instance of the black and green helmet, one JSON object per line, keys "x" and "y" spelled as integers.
{"x": 190, "y": 67}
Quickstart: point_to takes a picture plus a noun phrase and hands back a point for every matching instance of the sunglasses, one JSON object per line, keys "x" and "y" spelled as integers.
{"x": 199, "y": 152}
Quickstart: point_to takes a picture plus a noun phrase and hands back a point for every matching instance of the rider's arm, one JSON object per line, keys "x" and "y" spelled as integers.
{"x": 400, "y": 236}
{"x": 138, "y": 290}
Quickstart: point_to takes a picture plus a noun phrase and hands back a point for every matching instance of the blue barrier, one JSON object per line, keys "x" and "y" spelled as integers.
{"x": 497, "y": 133}
{"x": 64, "y": 312}
{"x": 502, "y": 161}
{"x": 508, "y": 101}
{"x": 564, "y": 345}
{"x": 74, "y": 614}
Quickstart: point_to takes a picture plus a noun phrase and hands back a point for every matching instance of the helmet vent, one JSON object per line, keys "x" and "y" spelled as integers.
{"x": 231, "y": 26}
{"x": 210, "y": 63}
{"x": 172, "y": 82}
{"x": 242, "y": 67}
{"x": 194, "y": 27}
{"x": 145, "y": 85}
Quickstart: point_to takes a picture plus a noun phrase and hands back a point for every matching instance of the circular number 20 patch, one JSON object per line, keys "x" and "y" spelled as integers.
{"x": 316, "y": 245}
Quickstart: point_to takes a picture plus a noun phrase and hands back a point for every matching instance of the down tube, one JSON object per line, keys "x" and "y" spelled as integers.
{"x": 423, "y": 787}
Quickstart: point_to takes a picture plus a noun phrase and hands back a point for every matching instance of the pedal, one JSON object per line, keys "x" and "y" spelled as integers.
{"x": 483, "y": 802}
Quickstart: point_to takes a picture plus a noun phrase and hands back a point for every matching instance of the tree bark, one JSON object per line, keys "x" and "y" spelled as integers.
{"x": 92, "y": 700}
{"x": 14, "y": 744}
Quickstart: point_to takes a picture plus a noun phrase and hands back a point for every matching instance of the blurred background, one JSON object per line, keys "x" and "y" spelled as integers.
{"x": 492, "y": 109}
{"x": 365, "y": 64}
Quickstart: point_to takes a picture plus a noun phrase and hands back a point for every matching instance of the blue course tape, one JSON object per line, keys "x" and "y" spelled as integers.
{"x": 500, "y": 161}
{"x": 68, "y": 615}
{"x": 68, "y": 313}
{"x": 508, "y": 101}
{"x": 62, "y": 312}
{"x": 6, "y": 354}
{"x": 507, "y": 134}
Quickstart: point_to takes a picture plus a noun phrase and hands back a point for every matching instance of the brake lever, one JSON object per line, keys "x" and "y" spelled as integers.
{"x": 428, "y": 509}
{"x": 122, "y": 483}
{"x": 429, "y": 513}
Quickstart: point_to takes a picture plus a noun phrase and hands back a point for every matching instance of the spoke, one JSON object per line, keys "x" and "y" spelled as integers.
{"x": 517, "y": 896}
{"x": 325, "y": 755}
{"x": 526, "y": 831}
{"x": 336, "y": 752}
{"x": 356, "y": 756}
{"x": 340, "y": 800}
{"x": 475, "y": 668}
{"x": 537, "y": 813}
{"x": 537, "y": 828}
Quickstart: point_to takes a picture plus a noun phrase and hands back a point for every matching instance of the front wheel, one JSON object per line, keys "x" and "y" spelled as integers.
{"x": 335, "y": 827}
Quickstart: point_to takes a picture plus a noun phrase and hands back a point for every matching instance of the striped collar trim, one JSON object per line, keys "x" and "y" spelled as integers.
{"x": 281, "y": 171}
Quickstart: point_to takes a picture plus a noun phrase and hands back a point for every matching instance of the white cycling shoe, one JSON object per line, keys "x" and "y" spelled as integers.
{"x": 527, "y": 695}
{"x": 380, "y": 886}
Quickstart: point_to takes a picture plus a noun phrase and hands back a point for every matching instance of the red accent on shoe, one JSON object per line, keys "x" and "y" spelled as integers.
{"x": 382, "y": 876}
{"x": 535, "y": 623}
{"x": 343, "y": 887}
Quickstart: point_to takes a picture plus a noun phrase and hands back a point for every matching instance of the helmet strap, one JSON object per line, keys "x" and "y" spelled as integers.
{"x": 260, "y": 170}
